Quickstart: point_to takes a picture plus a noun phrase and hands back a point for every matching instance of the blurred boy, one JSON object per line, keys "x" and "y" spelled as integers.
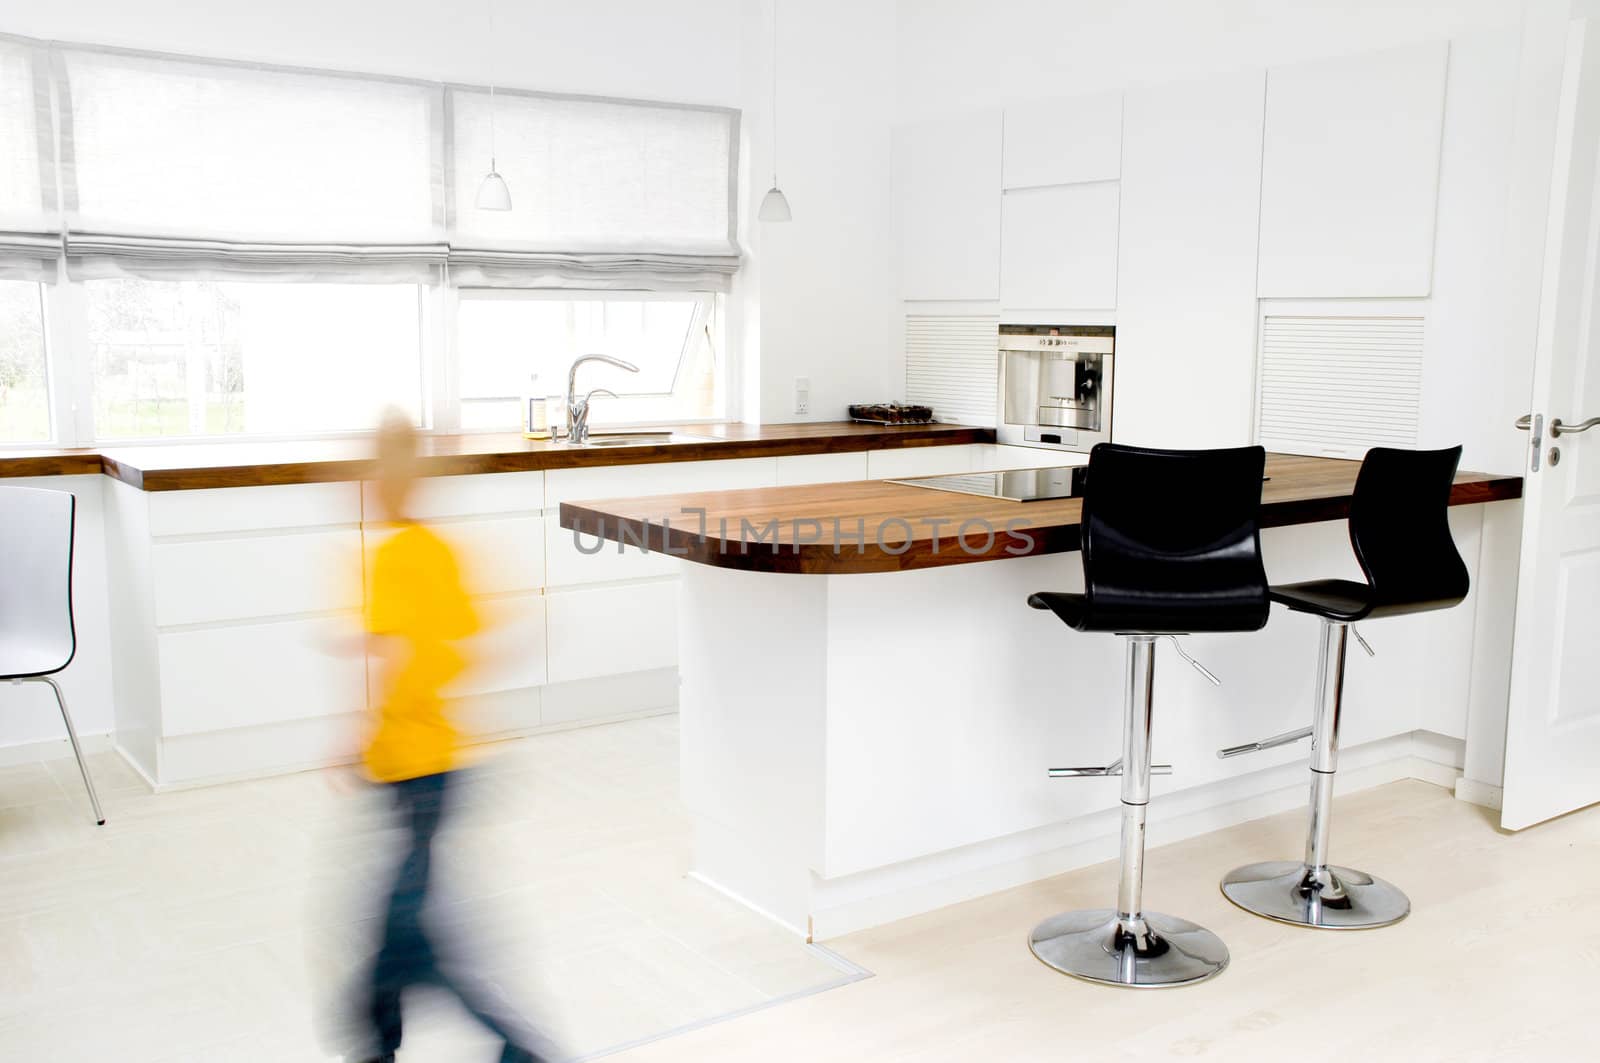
{"x": 417, "y": 615}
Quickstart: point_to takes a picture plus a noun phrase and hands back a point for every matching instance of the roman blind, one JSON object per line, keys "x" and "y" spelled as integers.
{"x": 180, "y": 167}
{"x": 606, "y": 193}
{"x": 30, "y": 232}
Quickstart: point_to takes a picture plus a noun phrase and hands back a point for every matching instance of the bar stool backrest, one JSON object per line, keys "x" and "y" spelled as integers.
{"x": 36, "y": 634}
{"x": 1400, "y": 529}
{"x": 1171, "y": 540}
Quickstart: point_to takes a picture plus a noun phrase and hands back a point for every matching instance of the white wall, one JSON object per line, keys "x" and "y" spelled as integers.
{"x": 824, "y": 282}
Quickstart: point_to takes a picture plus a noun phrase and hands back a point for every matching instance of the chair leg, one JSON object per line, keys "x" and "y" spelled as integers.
{"x": 1313, "y": 892}
{"x": 1127, "y": 946}
{"x": 77, "y": 751}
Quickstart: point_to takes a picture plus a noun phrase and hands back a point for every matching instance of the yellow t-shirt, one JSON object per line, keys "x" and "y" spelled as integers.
{"x": 414, "y": 595}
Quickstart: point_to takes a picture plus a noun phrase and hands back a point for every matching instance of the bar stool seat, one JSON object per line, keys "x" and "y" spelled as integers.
{"x": 1400, "y": 533}
{"x": 1170, "y": 545}
{"x": 1347, "y": 601}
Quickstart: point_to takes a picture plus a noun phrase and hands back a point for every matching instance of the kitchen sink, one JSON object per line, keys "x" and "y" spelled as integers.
{"x": 641, "y": 438}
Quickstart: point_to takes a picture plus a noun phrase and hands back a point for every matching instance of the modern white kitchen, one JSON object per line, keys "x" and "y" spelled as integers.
{"x": 783, "y": 381}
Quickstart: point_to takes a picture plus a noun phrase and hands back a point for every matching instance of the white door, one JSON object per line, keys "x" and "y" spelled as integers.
{"x": 1553, "y": 730}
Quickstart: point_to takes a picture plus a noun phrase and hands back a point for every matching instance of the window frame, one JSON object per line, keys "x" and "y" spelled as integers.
{"x": 710, "y": 309}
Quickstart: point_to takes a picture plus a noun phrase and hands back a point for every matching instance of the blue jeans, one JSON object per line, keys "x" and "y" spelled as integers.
{"x": 408, "y": 957}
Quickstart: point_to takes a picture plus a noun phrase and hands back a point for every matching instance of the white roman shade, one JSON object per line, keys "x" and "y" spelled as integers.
{"x": 30, "y": 232}
{"x": 179, "y": 168}
{"x": 605, "y": 193}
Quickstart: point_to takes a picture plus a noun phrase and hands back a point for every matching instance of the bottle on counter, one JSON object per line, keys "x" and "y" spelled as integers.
{"x": 535, "y": 425}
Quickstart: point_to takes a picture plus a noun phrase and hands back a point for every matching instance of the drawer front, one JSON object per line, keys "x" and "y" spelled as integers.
{"x": 246, "y": 675}
{"x": 567, "y": 565}
{"x": 920, "y": 461}
{"x": 262, "y": 576}
{"x": 234, "y": 509}
{"x": 796, "y": 469}
{"x": 509, "y": 651}
{"x": 612, "y": 630}
{"x": 496, "y": 556}
{"x": 466, "y": 496}
{"x": 672, "y": 477}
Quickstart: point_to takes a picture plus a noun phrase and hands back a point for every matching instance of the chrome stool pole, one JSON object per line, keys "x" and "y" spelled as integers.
{"x": 1314, "y": 892}
{"x": 1127, "y": 946}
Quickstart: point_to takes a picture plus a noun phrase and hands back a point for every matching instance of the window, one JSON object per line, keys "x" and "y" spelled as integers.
{"x": 237, "y": 249}
{"x": 24, "y": 394}
{"x": 505, "y": 336}
{"x": 195, "y": 358}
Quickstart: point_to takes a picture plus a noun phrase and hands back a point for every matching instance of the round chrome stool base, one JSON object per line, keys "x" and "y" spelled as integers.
{"x": 1148, "y": 952}
{"x": 1337, "y": 899}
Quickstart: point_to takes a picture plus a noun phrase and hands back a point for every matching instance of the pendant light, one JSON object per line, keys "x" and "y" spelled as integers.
{"x": 774, "y": 205}
{"x": 492, "y": 191}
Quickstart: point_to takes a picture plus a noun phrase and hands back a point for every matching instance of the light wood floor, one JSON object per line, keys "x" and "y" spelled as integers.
{"x": 1499, "y": 960}
{"x": 212, "y": 926}
{"x": 221, "y": 925}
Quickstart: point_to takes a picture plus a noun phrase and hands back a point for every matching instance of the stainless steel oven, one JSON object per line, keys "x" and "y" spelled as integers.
{"x": 1056, "y": 385}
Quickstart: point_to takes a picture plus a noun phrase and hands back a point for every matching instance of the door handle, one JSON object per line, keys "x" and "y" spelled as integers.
{"x": 1559, "y": 429}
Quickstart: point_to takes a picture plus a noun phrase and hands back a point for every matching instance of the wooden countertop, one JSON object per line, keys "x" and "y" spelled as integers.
{"x": 178, "y": 467}
{"x": 914, "y": 527}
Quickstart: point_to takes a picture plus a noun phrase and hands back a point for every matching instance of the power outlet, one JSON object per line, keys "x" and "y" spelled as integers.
{"x": 802, "y": 395}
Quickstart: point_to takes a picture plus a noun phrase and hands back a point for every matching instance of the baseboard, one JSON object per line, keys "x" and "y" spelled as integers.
{"x": 53, "y": 749}
{"x": 1480, "y": 793}
{"x": 855, "y": 902}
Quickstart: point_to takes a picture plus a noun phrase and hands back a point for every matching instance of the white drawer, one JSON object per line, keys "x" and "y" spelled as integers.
{"x": 262, "y": 576}
{"x": 246, "y": 675}
{"x": 466, "y": 496}
{"x": 665, "y": 478}
{"x": 995, "y": 456}
{"x": 232, "y": 509}
{"x": 920, "y": 461}
{"x": 509, "y": 652}
{"x": 612, "y": 630}
{"x": 567, "y": 565}
{"x": 497, "y": 555}
{"x": 796, "y": 469}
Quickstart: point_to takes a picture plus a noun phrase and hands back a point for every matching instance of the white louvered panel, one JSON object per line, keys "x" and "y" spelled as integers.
{"x": 952, "y": 364}
{"x": 1337, "y": 386}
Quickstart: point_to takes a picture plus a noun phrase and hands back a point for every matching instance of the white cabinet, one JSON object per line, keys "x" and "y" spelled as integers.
{"x": 1063, "y": 141}
{"x": 1059, "y": 248}
{"x": 257, "y": 576}
{"x": 920, "y": 461}
{"x": 610, "y": 630}
{"x": 1350, "y": 174}
{"x": 795, "y": 469}
{"x": 572, "y": 559}
{"x": 1186, "y": 300}
{"x": 249, "y": 675}
{"x": 947, "y": 193}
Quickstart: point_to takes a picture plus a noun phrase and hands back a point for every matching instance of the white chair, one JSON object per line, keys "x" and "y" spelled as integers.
{"x": 37, "y": 639}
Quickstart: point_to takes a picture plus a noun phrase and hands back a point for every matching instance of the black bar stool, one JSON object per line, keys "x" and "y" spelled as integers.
{"x": 1400, "y": 529}
{"x": 1171, "y": 545}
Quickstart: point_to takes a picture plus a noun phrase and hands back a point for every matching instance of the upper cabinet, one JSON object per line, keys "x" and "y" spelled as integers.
{"x": 947, "y": 191}
{"x": 1066, "y": 141}
{"x": 1350, "y": 175}
{"x": 1059, "y": 247}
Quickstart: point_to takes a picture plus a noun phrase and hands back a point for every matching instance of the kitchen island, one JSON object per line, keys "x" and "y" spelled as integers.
{"x": 868, "y": 713}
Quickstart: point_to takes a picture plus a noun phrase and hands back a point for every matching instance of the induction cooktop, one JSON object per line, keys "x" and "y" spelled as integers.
{"x": 1016, "y": 485}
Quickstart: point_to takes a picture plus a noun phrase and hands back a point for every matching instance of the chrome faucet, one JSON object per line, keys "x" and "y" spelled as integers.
{"x": 578, "y": 409}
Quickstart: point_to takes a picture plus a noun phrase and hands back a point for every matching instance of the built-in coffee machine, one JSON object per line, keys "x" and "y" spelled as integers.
{"x": 1056, "y": 385}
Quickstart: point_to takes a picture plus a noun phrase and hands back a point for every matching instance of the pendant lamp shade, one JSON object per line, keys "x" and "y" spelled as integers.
{"x": 493, "y": 193}
{"x": 775, "y": 206}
